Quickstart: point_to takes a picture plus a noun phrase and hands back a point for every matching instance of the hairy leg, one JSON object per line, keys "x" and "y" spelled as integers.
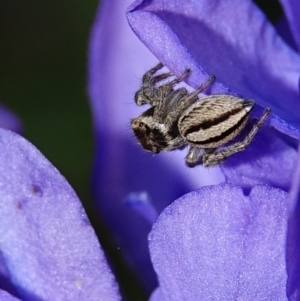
{"x": 217, "y": 157}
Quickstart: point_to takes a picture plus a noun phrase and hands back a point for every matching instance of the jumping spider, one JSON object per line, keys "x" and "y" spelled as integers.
{"x": 177, "y": 118}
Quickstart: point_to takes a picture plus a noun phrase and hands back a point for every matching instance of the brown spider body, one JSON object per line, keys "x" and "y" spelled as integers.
{"x": 177, "y": 118}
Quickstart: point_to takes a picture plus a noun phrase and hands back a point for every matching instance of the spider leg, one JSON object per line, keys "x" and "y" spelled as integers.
{"x": 148, "y": 90}
{"x": 217, "y": 157}
{"x": 176, "y": 143}
{"x": 180, "y": 78}
{"x": 173, "y": 107}
{"x": 161, "y": 77}
{"x": 164, "y": 90}
{"x": 194, "y": 156}
{"x": 149, "y": 93}
{"x": 148, "y": 80}
{"x": 186, "y": 100}
{"x": 149, "y": 74}
{"x": 194, "y": 95}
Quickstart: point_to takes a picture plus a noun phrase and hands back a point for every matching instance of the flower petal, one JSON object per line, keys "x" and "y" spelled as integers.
{"x": 292, "y": 11}
{"x": 217, "y": 244}
{"x": 4, "y": 296}
{"x": 268, "y": 160}
{"x": 142, "y": 204}
{"x": 9, "y": 121}
{"x": 230, "y": 39}
{"x": 117, "y": 62}
{"x": 156, "y": 295}
{"x": 47, "y": 244}
{"x": 293, "y": 241}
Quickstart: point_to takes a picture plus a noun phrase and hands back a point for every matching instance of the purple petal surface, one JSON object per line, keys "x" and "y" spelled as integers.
{"x": 217, "y": 244}
{"x": 268, "y": 160}
{"x": 292, "y": 11}
{"x": 4, "y": 296}
{"x": 157, "y": 295}
{"x": 48, "y": 248}
{"x": 9, "y": 121}
{"x": 230, "y": 39}
{"x": 117, "y": 62}
{"x": 293, "y": 239}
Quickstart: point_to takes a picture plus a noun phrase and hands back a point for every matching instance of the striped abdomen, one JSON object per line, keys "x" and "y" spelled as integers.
{"x": 214, "y": 120}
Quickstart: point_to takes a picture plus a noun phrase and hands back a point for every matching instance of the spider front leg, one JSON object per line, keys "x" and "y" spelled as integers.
{"x": 194, "y": 95}
{"x": 217, "y": 157}
{"x": 166, "y": 107}
{"x": 148, "y": 76}
{"x": 164, "y": 90}
{"x": 148, "y": 92}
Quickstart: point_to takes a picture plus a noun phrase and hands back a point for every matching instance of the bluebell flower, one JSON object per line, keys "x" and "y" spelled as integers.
{"x": 48, "y": 249}
{"x": 211, "y": 243}
{"x": 232, "y": 232}
{"x": 232, "y": 40}
{"x": 218, "y": 244}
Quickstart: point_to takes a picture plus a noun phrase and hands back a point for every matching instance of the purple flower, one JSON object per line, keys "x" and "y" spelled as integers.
{"x": 48, "y": 249}
{"x": 212, "y": 242}
{"x": 242, "y": 49}
{"x": 234, "y": 237}
{"x": 218, "y": 244}
{"x": 230, "y": 39}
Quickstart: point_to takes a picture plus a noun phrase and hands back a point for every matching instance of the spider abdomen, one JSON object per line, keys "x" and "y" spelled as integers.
{"x": 214, "y": 121}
